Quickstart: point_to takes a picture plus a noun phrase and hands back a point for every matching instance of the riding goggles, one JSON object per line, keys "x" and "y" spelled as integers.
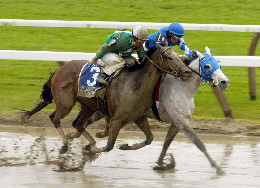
{"x": 174, "y": 37}
{"x": 139, "y": 40}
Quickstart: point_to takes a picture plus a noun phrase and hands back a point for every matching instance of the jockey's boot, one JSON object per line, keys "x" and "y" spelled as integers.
{"x": 103, "y": 79}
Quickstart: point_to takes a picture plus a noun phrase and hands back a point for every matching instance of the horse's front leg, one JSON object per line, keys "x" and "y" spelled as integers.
{"x": 105, "y": 132}
{"x": 172, "y": 132}
{"x": 112, "y": 136}
{"x": 189, "y": 132}
{"x": 143, "y": 124}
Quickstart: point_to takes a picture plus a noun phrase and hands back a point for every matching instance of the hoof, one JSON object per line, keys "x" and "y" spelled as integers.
{"x": 25, "y": 115}
{"x": 100, "y": 135}
{"x": 169, "y": 164}
{"x": 72, "y": 135}
{"x": 125, "y": 147}
{"x": 220, "y": 171}
{"x": 63, "y": 149}
{"x": 87, "y": 148}
{"x": 159, "y": 168}
{"x": 164, "y": 166}
{"x": 69, "y": 136}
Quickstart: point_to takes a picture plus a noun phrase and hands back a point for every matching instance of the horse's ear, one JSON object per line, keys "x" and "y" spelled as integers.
{"x": 160, "y": 48}
{"x": 202, "y": 57}
{"x": 207, "y": 50}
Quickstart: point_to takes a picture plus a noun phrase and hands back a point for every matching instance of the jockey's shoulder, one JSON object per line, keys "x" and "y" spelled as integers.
{"x": 154, "y": 35}
{"x": 122, "y": 39}
{"x": 122, "y": 34}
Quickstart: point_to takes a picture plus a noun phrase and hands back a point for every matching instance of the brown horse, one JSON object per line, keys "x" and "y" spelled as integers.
{"x": 128, "y": 97}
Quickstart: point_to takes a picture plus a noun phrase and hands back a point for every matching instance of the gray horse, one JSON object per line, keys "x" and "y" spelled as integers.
{"x": 177, "y": 103}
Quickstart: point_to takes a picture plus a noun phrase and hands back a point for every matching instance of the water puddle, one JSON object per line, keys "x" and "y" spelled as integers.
{"x": 29, "y": 157}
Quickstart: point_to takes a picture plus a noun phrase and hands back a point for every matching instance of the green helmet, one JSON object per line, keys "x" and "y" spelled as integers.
{"x": 140, "y": 33}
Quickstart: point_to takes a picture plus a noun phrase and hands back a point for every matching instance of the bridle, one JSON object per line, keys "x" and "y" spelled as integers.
{"x": 174, "y": 71}
{"x": 210, "y": 80}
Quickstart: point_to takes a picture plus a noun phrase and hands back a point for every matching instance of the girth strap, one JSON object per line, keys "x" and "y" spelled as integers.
{"x": 102, "y": 105}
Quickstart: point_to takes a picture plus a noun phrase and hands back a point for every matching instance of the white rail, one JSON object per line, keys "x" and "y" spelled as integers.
{"x": 238, "y": 61}
{"x": 126, "y": 25}
{"x": 242, "y": 61}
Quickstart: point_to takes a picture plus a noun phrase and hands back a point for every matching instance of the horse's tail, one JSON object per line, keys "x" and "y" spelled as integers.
{"x": 46, "y": 96}
{"x": 46, "y": 91}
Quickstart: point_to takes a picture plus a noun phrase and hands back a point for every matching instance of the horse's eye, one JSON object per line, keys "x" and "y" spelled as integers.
{"x": 208, "y": 67}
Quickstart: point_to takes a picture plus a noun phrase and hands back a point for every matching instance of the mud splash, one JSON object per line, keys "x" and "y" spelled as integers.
{"x": 29, "y": 157}
{"x": 21, "y": 150}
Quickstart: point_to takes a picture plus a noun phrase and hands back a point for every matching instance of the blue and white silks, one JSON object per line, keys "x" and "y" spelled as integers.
{"x": 181, "y": 43}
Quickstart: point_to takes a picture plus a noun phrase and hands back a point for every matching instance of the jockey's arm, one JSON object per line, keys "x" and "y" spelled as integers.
{"x": 181, "y": 43}
{"x": 140, "y": 55}
{"x": 103, "y": 50}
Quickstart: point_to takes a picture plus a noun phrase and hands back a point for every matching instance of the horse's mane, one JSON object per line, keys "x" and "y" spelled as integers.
{"x": 138, "y": 66}
{"x": 135, "y": 67}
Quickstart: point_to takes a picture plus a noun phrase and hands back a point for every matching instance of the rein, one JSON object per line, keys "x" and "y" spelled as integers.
{"x": 174, "y": 72}
{"x": 198, "y": 73}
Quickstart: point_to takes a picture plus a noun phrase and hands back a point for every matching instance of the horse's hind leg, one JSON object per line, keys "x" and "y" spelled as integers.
{"x": 142, "y": 123}
{"x": 78, "y": 124}
{"x": 64, "y": 100}
{"x": 95, "y": 117}
{"x": 172, "y": 132}
{"x": 188, "y": 131}
{"x": 55, "y": 118}
{"x": 105, "y": 132}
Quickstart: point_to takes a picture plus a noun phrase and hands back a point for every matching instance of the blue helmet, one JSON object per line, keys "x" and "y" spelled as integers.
{"x": 176, "y": 29}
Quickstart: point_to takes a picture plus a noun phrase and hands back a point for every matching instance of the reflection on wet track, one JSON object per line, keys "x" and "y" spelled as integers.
{"x": 29, "y": 157}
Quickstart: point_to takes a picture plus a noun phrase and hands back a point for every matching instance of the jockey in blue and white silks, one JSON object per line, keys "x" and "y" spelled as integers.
{"x": 172, "y": 34}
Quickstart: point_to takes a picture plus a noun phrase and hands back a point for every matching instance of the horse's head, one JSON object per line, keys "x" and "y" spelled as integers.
{"x": 173, "y": 63}
{"x": 211, "y": 70}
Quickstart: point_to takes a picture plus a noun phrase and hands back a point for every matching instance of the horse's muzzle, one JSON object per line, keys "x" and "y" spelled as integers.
{"x": 223, "y": 84}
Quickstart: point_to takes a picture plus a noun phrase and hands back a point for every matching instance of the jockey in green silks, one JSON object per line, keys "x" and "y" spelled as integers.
{"x": 117, "y": 49}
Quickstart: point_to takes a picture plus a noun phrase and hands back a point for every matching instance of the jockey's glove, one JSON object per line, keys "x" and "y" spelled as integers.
{"x": 194, "y": 54}
{"x": 140, "y": 60}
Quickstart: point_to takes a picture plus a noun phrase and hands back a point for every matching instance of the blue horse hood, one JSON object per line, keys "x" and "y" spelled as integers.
{"x": 209, "y": 60}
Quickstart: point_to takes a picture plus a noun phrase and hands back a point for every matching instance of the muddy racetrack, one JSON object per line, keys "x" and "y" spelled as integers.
{"x": 29, "y": 156}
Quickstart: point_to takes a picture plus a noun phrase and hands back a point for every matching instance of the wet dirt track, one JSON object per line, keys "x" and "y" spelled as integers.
{"x": 29, "y": 157}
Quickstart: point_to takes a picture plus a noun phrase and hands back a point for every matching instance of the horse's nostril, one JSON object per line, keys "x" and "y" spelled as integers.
{"x": 223, "y": 82}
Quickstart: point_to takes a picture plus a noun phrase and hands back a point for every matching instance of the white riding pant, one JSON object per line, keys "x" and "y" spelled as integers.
{"x": 113, "y": 62}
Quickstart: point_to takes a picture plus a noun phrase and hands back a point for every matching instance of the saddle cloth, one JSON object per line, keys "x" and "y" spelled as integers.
{"x": 88, "y": 86}
{"x": 155, "y": 104}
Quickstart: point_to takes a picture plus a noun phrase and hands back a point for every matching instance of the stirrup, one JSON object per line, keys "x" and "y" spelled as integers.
{"x": 103, "y": 79}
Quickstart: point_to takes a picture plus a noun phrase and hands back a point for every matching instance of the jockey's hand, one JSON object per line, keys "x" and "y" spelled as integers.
{"x": 194, "y": 54}
{"x": 93, "y": 61}
{"x": 140, "y": 60}
{"x": 101, "y": 63}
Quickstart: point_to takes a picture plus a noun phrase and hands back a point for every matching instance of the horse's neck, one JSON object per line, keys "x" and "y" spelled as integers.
{"x": 148, "y": 74}
{"x": 193, "y": 83}
{"x": 151, "y": 69}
